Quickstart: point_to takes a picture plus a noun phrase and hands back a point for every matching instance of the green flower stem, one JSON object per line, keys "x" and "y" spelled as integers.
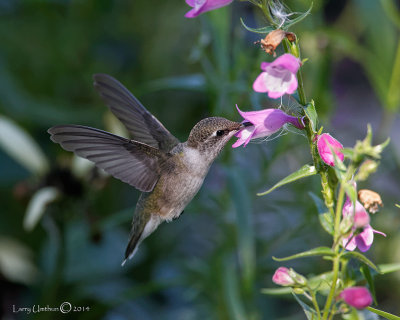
{"x": 336, "y": 242}
{"x": 336, "y": 263}
{"x": 315, "y": 302}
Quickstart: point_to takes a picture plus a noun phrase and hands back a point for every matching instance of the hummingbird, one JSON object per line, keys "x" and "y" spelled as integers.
{"x": 168, "y": 172}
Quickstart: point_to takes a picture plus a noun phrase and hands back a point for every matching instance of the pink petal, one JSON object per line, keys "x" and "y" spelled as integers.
{"x": 287, "y": 61}
{"x": 207, "y": 5}
{"x": 264, "y": 65}
{"x": 324, "y": 144}
{"x": 349, "y": 243}
{"x": 259, "y": 83}
{"x": 364, "y": 239}
{"x": 357, "y": 297}
{"x": 293, "y": 85}
{"x": 275, "y": 95}
{"x": 282, "y": 277}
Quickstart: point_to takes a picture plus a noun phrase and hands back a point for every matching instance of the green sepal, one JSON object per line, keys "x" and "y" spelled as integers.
{"x": 263, "y": 30}
{"x": 290, "y": 23}
{"x": 319, "y": 251}
{"x": 360, "y": 257}
{"x": 311, "y": 115}
{"x": 325, "y": 217}
{"x": 303, "y": 172}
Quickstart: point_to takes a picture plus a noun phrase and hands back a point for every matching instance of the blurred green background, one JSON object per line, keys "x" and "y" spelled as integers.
{"x": 213, "y": 261}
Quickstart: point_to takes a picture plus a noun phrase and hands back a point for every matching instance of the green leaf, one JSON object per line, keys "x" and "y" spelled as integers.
{"x": 320, "y": 251}
{"x": 383, "y": 314}
{"x": 263, "y": 30}
{"x": 360, "y": 257}
{"x": 367, "y": 275}
{"x": 276, "y": 291}
{"x": 351, "y": 192}
{"x": 37, "y": 206}
{"x": 20, "y": 145}
{"x": 325, "y": 217}
{"x": 311, "y": 314}
{"x": 311, "y": 115}
{"x": 389, "y": 267}
{"x": 290, "y": 23}
{"x": 397, "y": 205}
{"x": 303, "y": 172}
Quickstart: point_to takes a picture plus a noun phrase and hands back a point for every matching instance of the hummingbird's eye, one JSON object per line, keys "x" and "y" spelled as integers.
{"x": 220, "y": 133}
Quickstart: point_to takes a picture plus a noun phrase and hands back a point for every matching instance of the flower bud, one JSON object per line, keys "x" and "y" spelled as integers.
{"x": 326, "y": 144}
{"x": 357, "y": 297}
{"x": 282, "y": 277}
{"x": 366, "y": 169}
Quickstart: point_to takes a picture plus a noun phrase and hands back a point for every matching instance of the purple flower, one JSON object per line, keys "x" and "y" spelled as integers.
{"x": 360, "y": 215}
{"x": 365, "y": 238}
{"x": 278, "y": 77}
{"x": 201, "y": 6}
{"x": 325, "y": 143}
{"x": 282, "y": 277}
{"x": 357, "y": 297}
{"x": 264, "y": 123}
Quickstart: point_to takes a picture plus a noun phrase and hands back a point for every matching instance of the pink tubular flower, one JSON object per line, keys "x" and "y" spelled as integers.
{"x": 364, "y": 239}
{"x": 325, "y": 143}
{"x": 357, "y": 297}
{"x": 201, "y": 6}
{"x": 282, "y": 277}
{"x": 264, "y": 123}
{"x": 278, "y": 77}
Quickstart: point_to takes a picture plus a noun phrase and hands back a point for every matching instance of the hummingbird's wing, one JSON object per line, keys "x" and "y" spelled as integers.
{"x": 130, "y": 161}
{"x": 143, "y": 126}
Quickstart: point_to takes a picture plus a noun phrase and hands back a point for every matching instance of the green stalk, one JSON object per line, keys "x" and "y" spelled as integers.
{"x": 315, "y": 302}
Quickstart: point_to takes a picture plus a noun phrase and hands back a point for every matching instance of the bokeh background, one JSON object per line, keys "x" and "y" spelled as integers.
{"x": 64, "y": 225}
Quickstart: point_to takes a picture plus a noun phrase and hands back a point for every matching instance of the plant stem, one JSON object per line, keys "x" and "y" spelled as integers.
{"x": 315, "y": 302}
{"x": 329, "y": 300}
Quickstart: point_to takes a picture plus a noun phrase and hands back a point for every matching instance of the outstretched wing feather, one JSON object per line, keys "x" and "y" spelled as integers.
{"x": 143, "y": 126}
{"x": 130, "y": 161}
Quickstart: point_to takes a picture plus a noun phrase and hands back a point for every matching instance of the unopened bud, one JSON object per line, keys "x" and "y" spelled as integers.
{"x": 367, "y": 168}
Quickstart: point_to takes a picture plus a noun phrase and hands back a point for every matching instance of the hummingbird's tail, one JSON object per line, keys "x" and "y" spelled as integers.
{"x": 141, "y": 229}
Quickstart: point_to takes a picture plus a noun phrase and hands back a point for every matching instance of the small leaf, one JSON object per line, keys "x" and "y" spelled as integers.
{"x": 311, "y": 314}
{"x": 388, "y": 268}
{"x": 311, "y": 115}
{"x": 320, "y": 251}
{"x": 383, "y": 314}
{"x": 37, "y": 206}
{"x": 367, "y": 275}
{"x": 360, "y": 257}
{"x": 325, "y": 217}
{"x": 303, "y": 172}
{"x": 20, "y": 145}
{"x": 351, "y": 192}
{"x": 290, "y": 23}
{"x": 276, "y": 291}
{"x": 263, "y": 30}
{"x": 397, "y": 205}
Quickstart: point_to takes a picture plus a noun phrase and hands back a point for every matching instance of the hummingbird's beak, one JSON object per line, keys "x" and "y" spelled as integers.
{"x": 245, "y": 124}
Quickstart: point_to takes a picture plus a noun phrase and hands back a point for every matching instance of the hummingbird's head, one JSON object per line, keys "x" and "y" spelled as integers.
{"x": 211, "y": 134}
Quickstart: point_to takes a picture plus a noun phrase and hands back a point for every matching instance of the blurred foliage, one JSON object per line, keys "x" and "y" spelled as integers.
{"x": 213, "y": 261}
